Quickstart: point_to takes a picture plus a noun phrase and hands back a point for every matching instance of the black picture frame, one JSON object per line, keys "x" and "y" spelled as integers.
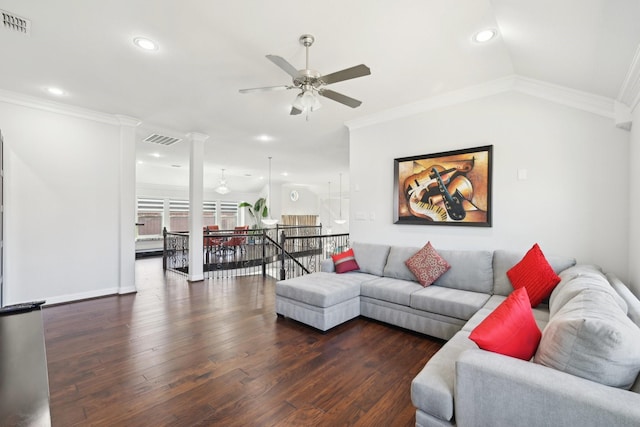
{"x": 451, "y": 188}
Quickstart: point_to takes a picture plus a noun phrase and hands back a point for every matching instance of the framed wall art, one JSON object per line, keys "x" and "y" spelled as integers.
{"x": 448, "y": 188}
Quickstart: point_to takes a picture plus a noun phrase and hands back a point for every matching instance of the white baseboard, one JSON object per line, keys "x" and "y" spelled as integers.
{"x": 80, "y": 296}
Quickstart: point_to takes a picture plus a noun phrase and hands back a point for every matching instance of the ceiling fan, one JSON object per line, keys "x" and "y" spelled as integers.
{"x": 311, "y": 82}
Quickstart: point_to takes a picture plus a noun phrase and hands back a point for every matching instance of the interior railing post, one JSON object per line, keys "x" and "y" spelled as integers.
{"x": 283, "y": 272}
{"x": 264, "y": 252}
{"x": 207, "y": 252}
{"x": 164, "y": 248}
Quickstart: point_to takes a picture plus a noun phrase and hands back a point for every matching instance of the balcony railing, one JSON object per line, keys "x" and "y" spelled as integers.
{"x": 280, "y": 252}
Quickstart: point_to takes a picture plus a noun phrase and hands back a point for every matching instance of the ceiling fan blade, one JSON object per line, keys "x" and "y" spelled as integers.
{"x": 343, "y": 99}
{"x": 283, "y": 64}
{"x": 295, "y": 111}
{"x": 265, "y": 89}
{"x": 346, "y": 74}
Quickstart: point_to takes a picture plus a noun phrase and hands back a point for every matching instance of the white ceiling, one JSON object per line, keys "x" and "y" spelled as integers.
{"x": 209, "y": 49}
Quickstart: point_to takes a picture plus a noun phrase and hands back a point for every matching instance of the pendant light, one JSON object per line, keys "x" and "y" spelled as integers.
{"x": 222, "y": 187}
{"x": 268, "y": 220}
{"x": 340, "y": 220}
{"x": 329, "y": 231}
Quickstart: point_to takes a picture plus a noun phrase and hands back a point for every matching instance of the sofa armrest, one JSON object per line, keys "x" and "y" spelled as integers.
{"x": 327, "y": 266}
{"x": 492, "y": 389}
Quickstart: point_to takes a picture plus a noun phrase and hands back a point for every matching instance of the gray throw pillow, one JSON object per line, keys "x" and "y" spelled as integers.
{"x": 585, "y": 279}
{"x": 591, "y": 337}
{"x": 371, "y": 257}
{"x": 396, "y": 267}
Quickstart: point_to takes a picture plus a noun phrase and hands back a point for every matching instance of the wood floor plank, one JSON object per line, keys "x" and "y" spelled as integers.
{"x": 214, "y": 353}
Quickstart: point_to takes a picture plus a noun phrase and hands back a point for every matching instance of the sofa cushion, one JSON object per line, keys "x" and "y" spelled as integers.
{"x": 534, "y": 274}
{"x": 448, "y": 302}
{"x": 470, "y": 270}
{"x": 371, "y": 257}
{"x": 592, "y": 338}
{"x": 503, "y": 261}
{"x": 427, "y": 265}
{"x": 432, "y": 389}
{"x": 345, "y": 262}
{"x": 633, "y": 304}
{"x": 396, "y": 267}
{"x": 510, "y": 329}
{"x": 322, "y": 289}
{"x": 579, "y": 278}
{"x": 391, "y": 290}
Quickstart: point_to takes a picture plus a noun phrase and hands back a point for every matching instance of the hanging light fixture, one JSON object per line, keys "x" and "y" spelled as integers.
{"x": 268, "y": 220}
{"x": 329, "y": 203}
{"x": 222, "y": 187}
{"x": 340, "y": 220}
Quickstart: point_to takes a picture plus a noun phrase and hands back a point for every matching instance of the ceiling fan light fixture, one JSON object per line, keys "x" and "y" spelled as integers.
{"x": 297, "y": 103}
{"x": 312, "y": 83}
{"x": 307, "y": 99}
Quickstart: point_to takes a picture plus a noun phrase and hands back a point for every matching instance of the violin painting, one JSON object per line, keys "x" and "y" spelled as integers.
{"x": 448, "y": 188}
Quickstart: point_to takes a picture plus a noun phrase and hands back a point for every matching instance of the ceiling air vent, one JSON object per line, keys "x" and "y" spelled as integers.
{"x": 161, "y": 139}
{"x": 13, "y": 22}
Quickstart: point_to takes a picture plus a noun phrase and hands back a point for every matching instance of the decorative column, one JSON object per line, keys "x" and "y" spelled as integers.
{"x": 127, "y": 220}
{"x": 196, "y": 189}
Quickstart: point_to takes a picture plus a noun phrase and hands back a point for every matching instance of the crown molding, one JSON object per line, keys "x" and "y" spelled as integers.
{"x": 57, "y": 107}
{"x": 630, "y": 89}
{"x": 436, "y": 102}
{"x": 596, "y": 104}
{"x": 562, "y": 95}
{"x": 127, "y": 121}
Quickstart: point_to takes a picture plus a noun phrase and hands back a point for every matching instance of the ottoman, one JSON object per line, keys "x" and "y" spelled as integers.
{"x": 322, "y": 300}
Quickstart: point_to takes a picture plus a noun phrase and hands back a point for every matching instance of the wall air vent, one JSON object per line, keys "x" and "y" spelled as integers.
{"x": 161, "y": 139}
{"x": 13, "y": 22}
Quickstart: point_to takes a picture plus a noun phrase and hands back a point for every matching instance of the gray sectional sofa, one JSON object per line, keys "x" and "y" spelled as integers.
{"x": 462, "y": 384}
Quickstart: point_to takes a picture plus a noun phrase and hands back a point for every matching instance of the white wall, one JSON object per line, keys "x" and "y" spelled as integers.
{"x": 62, "y": 205}
{"x": 307, "y": 203}
{"x": 634, "y": 198}
{"x": 575, "y": 201}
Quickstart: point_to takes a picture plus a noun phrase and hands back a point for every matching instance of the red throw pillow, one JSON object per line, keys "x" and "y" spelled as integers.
{"x": 535, "y": 274}
{"x": 510, "y": 329}
{"x": 427, "y": 265}
{"x": 345, "y": 261}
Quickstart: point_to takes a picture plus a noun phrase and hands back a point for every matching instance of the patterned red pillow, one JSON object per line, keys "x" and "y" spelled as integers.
{"x": 510, "y": 329}
{"x": 427, "y": 265}
{"x": 345, "y": 262}
{"x": 535, "y": 274}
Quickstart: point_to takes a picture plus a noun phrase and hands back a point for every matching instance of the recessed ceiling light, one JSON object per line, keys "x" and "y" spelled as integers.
{"x": 484, "y": 35}
{"x": 55, "y": 91}
{"x": 156, "y": 155}
{"x": 264, "y": 138}
{"x": 145, "y": 44}
{"x": 285, "y": 174}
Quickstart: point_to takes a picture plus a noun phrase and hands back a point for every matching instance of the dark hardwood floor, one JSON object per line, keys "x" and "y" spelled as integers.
{"x": 215, "y": 353}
